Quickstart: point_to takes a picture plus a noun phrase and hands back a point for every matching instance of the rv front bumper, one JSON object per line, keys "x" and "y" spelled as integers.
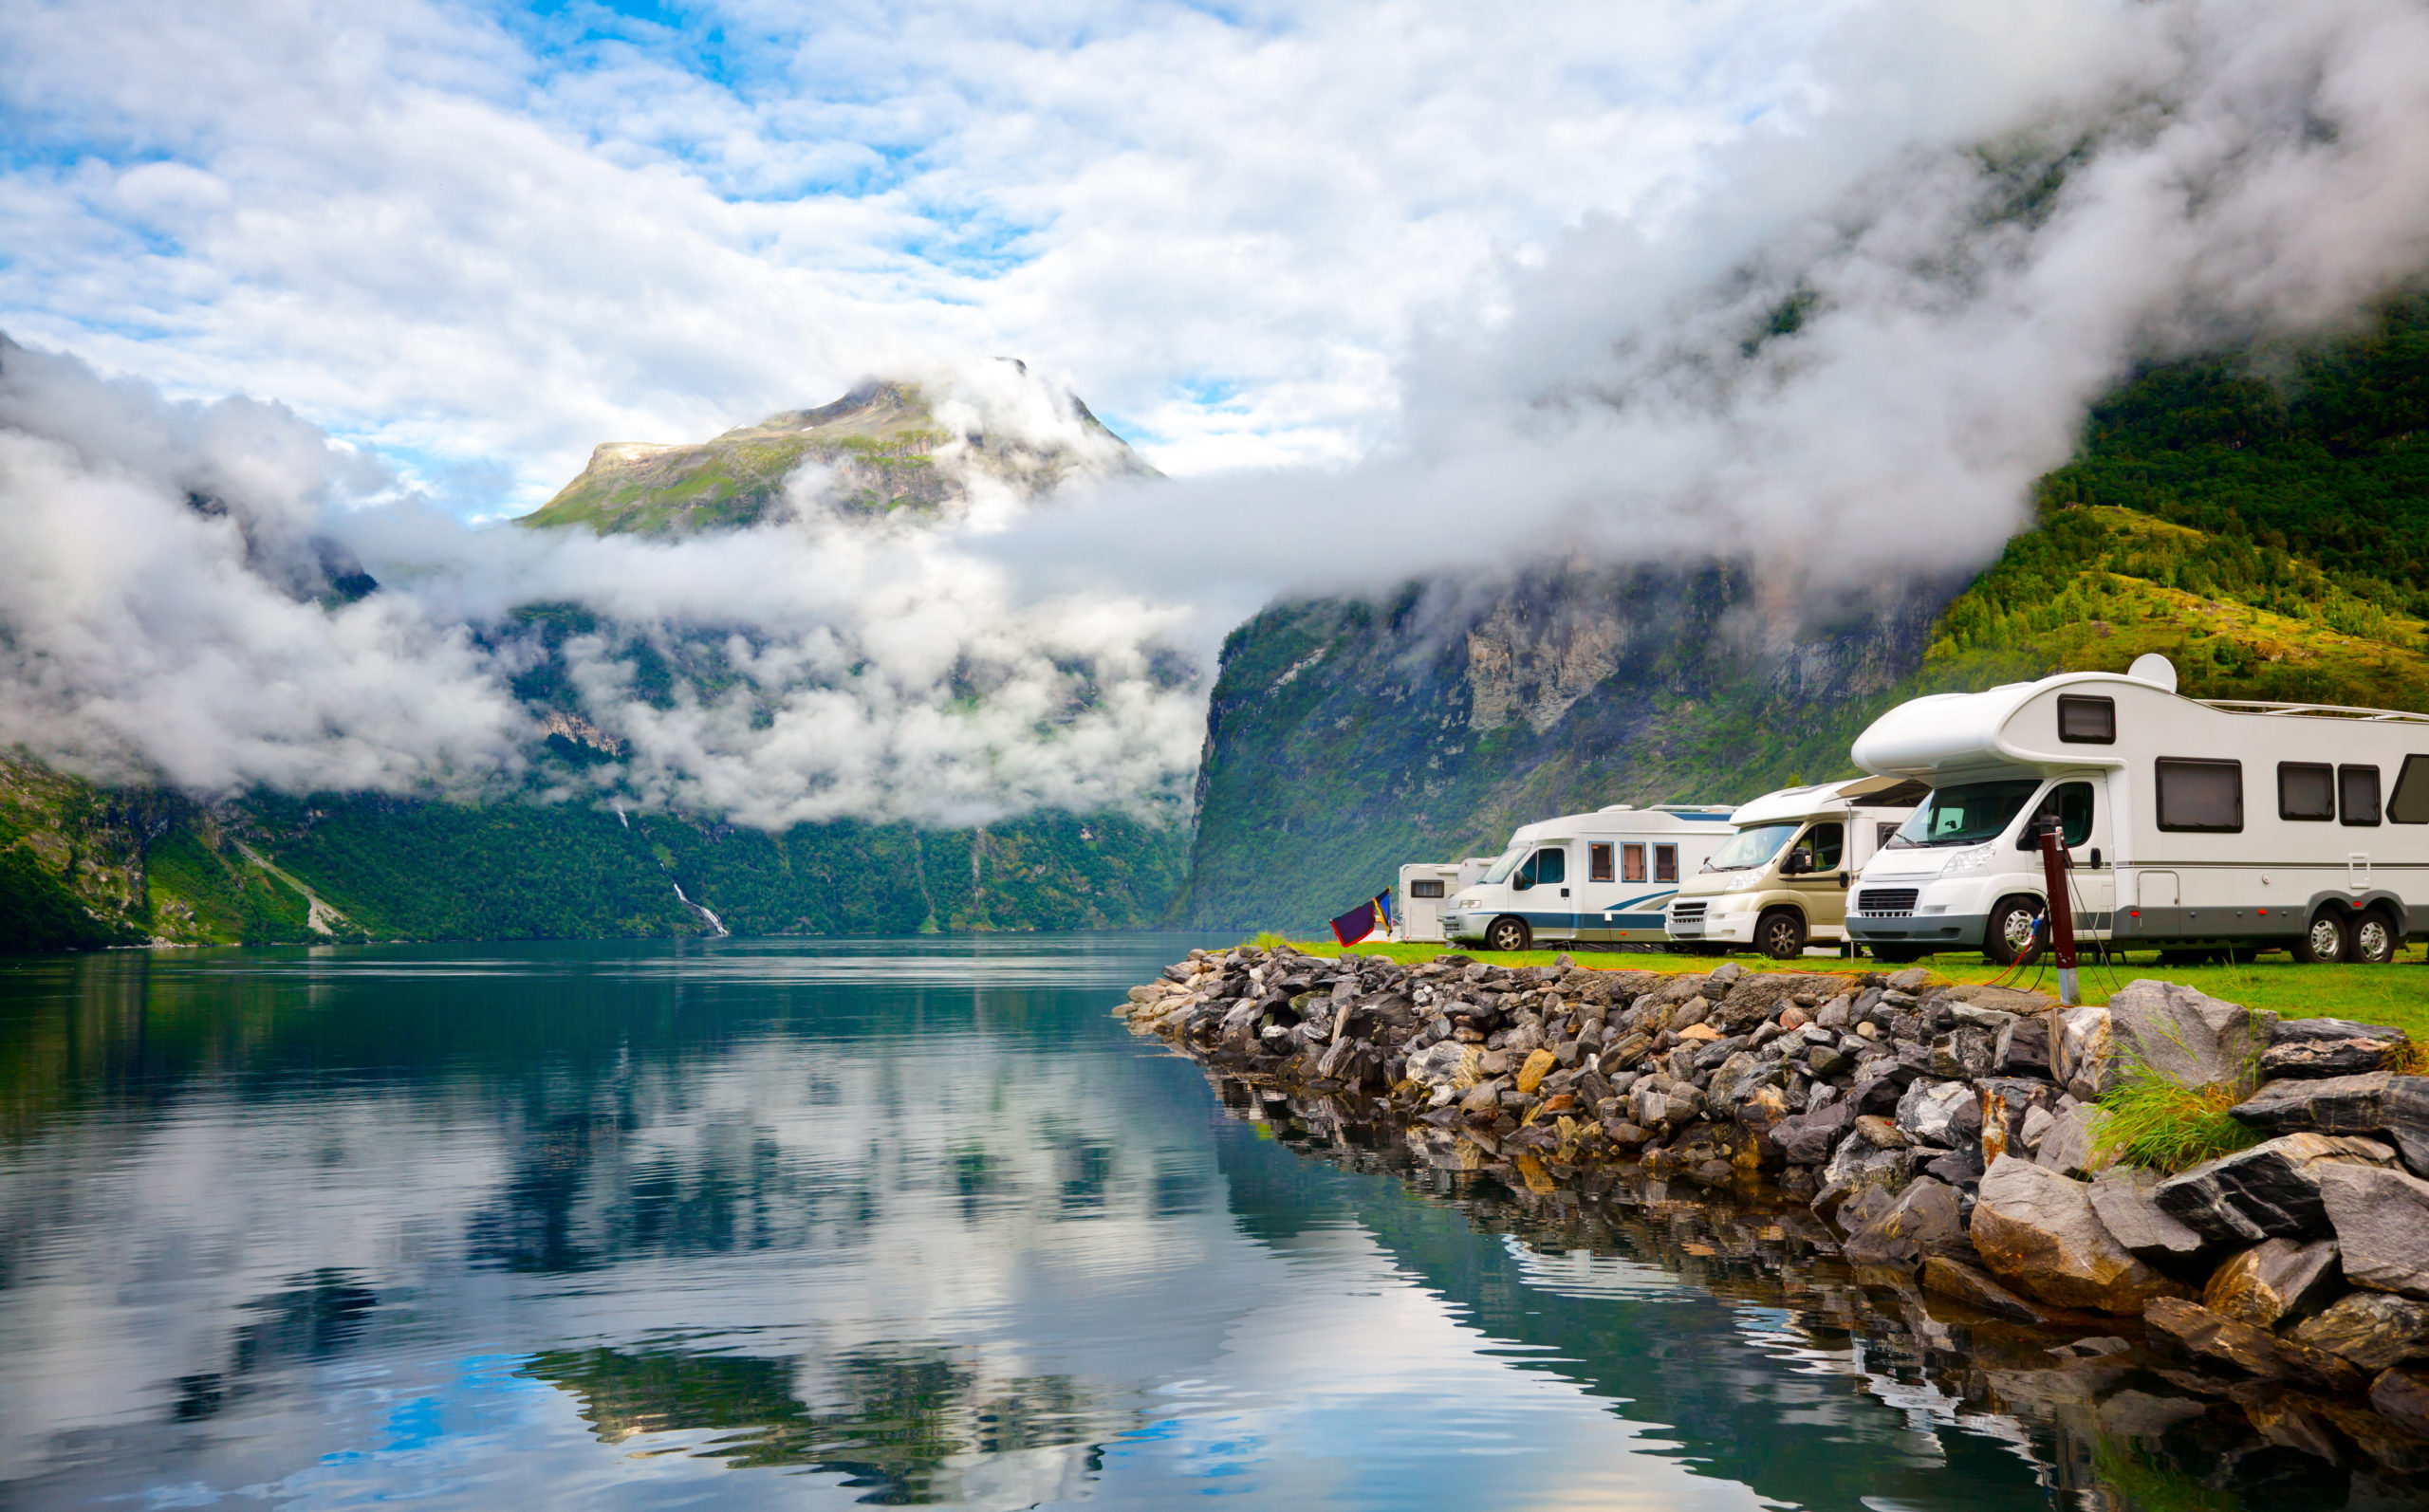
{"x": 1725, "y": 928}
{"x": 1459, "y": 929}
{"x": 1938, "y": 932}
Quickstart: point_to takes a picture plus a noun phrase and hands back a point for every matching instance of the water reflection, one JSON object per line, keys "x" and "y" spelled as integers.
{"x": 918, "y": 1224}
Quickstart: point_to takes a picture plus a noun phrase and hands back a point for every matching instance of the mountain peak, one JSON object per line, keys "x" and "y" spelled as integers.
{"x": 888, "y": 446}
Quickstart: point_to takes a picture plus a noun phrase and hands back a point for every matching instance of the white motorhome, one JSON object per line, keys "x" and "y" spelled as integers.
{"x": 1426, "y": 888}
{"x": 2192, "y": 824}
{"x": 1781, "y": 882}
{"x": 1601, "y": 877}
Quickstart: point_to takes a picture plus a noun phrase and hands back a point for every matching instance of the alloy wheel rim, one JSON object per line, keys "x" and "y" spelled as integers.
{"x": 2324, "y": 939}
{"x": 2372, "y": 938}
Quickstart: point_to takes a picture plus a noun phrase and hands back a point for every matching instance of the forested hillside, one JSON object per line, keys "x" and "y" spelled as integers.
{"x": 2260, "y": 518}
{"x": 83, "y": 866}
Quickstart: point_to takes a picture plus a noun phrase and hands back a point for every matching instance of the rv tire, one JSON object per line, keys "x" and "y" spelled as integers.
{"x": 2014, "y": 928}
{"x": 1780, "y": 933}
{"x": 1509, "y": 933}
{"x": 2375, "y": 938}
{"x": 2324, "y": 940}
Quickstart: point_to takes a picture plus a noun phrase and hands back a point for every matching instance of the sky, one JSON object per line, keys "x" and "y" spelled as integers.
{"x": 1395, "y": 292}
{"x": 484, "y": 239}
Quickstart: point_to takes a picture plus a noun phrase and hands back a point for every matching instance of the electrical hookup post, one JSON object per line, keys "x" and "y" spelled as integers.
{"x": 2054, "y": 865}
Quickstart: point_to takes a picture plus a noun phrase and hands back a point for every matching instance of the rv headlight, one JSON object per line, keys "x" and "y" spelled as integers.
{"x": 1966, "y": 862}
{"x": 1742, "y": 882}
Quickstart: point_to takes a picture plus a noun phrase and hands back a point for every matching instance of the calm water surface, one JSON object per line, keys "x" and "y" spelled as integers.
{"x": 805, "y": 1225}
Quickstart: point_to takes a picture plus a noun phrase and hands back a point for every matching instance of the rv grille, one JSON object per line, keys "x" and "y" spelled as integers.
{"x": 1687, "y": 910}
{"x": 1891, "y": 900}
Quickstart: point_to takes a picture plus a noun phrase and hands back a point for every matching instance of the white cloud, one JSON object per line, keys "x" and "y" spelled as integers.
{"x": 460, "y": 237}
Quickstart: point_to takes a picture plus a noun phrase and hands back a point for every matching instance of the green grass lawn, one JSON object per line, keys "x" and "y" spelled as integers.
{"x": 2396, "y": 994}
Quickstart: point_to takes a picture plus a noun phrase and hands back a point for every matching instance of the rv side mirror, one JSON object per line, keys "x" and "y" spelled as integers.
{"x": 1520, "y": 881}
{"x": 1796, "y": 864}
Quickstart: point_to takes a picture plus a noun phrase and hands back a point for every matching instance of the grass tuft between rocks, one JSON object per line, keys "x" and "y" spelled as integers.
{"x": 2154, "y": 1120}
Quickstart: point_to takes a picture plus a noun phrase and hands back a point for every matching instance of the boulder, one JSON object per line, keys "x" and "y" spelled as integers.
{"x": 1539, "y": 1065}
{"x": 2022, "y": 1048}
{"x": 1963, "y": 1053}
{"x": 2382, "y": 1222}
{"x": 2080, "y": 1051}
{"x": 2212, "y": 1338}
{"x": 2272, "y": 1189}
{"x": 2371, "y": 1102}
{"x": 2123, "y": 1196}
{"x": 1860, "y": 1163}
{"x": 2403, "y": 1396}
{"x": 2038, "y": 1124}
{"x": 2314, "y": 1059}
{"x": 1941, "y": 1112}
{"x": 1807, "y": 1138}
{"x": 2037, "y": 1231}
{"x": 1923, "y": 1219}
{"x": 2273, "y": 1281}
{"x": 2007, "y": 1102}
{"x": 2289, "y": 1030}
{"x": 2067, "y": 1145}
{"x": 2184, "y": 1034}
{"x": 2316, "y": 1367}
{"x": 1976, "y": 1289}
{"x": 2371, "y": 1329}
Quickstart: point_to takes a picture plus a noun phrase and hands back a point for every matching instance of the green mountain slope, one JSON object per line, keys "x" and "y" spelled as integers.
{"x": 887, "y": 450}
{"x": 2268, "y": 531}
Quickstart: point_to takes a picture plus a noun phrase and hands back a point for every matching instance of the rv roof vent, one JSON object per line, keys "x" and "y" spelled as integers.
{"x": 1618, "y": 809}
{"x": 2151, "y": 667}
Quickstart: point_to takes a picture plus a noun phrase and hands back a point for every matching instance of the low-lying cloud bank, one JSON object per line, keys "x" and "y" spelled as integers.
{"x": 1845, "y": 352}
{"x": 1840, "y": 353}
{"x": 176, "y": 610}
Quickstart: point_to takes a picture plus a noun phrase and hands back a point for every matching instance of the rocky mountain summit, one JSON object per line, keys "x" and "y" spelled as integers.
{"x": 1947, "y": 1142}
{"x": 890, "y": 447}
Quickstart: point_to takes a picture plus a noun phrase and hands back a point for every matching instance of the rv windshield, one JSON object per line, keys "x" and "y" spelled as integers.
{"x": 1506, "y": 863}
{"x": 1752, "y": 846}
{"x": 1967, "y": 814}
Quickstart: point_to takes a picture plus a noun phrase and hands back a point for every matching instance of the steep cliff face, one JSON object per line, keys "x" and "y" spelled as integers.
{"x": 1346, "y": 737}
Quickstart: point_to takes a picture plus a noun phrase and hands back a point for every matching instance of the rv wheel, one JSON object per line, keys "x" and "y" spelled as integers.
{"x": 2324, "y": 942}
{"x": 2015, "y": 926}
{"x": 1509, "y": 934}
{"x": 1780, "y": 934}
{"x": 2374, "y": 939}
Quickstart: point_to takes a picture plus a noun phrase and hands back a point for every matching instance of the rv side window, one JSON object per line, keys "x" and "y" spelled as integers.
{"x": 1597, "y": 862}
{"x": 2069, "y": 806}
{"x": 1425, "y": 887}
{"x": 1826, "y": 843}
{"x": 1548, "y": 865}
{"x": 2306, "y": 790}
{"x": 2356, "y": 792}
{"x": 2083, "y": 720}
{"x": 1665, "y": 863}
{"x": 1881, "y": 834}
{"x": 2199, "y": 794}
{"x": 2410, "y": 804}
{"x": 1632, "y": 857}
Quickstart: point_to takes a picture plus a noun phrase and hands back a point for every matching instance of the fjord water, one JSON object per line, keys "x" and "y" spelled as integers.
{"x": 810, "y": 1224}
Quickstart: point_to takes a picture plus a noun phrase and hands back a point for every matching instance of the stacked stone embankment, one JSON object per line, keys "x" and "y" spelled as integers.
{"x": 1948, "y": 1135}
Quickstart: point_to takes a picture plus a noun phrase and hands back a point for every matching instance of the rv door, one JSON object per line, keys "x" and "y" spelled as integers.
{"x": 2079, "y": 809}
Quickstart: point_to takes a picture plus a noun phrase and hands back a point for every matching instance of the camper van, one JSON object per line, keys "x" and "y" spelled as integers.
{"x": 2192, "y": 824}
{"x": 1426, "y": 888}
{"x": 1780, "y": 884}
{"x": 1598, "y": 877}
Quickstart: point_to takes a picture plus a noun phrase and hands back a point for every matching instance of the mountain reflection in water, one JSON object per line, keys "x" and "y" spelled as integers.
{"x": 759, "y": 1222}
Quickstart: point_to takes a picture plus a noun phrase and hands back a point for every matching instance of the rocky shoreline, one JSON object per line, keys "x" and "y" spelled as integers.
{"x": 1937, "y": 1141}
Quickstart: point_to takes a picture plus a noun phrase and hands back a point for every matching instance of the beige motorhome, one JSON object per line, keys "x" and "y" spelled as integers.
{"x": 1780, "y": 884}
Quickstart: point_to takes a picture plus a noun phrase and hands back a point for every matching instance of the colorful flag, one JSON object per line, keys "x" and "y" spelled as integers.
{"x": 1364, "y": 920}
